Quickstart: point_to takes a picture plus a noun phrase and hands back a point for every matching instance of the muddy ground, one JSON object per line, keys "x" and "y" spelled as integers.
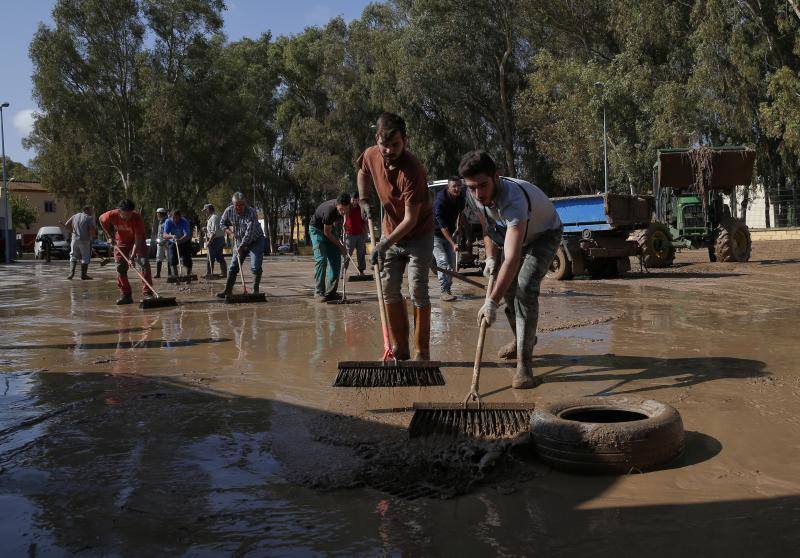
{"x": 212, "y": 429}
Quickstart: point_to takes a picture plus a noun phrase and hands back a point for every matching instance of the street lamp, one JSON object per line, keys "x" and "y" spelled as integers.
{"x": 601, "y": 85}
{"x": 6, "y": 208}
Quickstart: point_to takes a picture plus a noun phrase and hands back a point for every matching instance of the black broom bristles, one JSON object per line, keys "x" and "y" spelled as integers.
{"x": 475, "y": 420}
{"x": 158, "y": 302}
{"x": 182, "y": 278}
{"x": 243, "y": 298}
{"x": 402, "y": 374}
{"x": 360, "y": 278}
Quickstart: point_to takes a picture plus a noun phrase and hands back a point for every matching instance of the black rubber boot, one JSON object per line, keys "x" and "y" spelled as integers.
{"x": 125, "y": 299}
{"x": 72, "y": 266}
{"x": 223, "y": 271}
{"x": 228, "y": 285}
{"x": 85, "y": 272}
{"x": 256, "y": 281}
{"x": 158, "y": 270}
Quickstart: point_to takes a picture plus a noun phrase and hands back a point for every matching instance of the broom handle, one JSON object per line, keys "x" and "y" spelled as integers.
{"x": 177, "y": 251}
{"x": 459, "y": 276}
{"x": 241, "y": 269}
{"x": 379, "y": 287}
{"x": 473, "y": 395}
{"x": 130, "y": 263}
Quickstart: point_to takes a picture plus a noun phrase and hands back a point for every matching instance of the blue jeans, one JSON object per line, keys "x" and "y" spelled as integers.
{"x": 215, "y": 246}
{"x": 327, "y": 263}
{"x": 445, "y": 259}
{"x": 256, "y": 253}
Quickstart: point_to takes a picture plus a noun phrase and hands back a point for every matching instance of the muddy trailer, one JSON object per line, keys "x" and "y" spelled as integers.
{"x": 601, "y": 233}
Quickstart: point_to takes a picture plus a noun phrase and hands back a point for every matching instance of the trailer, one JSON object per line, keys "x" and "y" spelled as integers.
{"x": 602, "y": 232}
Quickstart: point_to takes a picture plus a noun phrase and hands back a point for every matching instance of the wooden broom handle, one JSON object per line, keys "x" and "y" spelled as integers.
{"x": 379, "y": 287}
{"x": 473, "y": 395}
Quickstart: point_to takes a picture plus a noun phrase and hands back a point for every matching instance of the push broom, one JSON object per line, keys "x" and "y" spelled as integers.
{"x": 471, "y": 418}
{"x": 343, "y": 281}
{"x": 156, "y": 301}
{"x": 245, "y": 296}
{"x": 180, "y": 278}
{"x": 389, "y": 372}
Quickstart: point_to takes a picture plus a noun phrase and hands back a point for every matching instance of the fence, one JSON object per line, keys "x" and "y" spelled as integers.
{"x": 781, "y": 210}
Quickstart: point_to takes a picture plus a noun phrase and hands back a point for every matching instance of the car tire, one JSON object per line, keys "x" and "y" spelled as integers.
{"x": 607, "y": 435}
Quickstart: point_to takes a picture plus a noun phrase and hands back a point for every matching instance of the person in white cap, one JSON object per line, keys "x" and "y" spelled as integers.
{"x": 215, "y": 241}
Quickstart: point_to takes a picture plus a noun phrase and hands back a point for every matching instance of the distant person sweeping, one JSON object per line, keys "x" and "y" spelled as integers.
{"x": 127, "y": 227}
{"x": 83, "y": 229}
{"x": 161, "y": 242}
{"x": 407, "y": 240}
{"x": 215, "y": 241}
{"x": 448, "y": 205}
{"x": 241, "y": 220}
{"x": 355, "y": 240}
{"x": 177, "y": 230}
{"x": 326, "y": 232}
{"x": 521, "y": 218}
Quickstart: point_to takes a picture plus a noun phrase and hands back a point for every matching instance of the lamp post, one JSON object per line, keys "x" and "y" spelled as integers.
{"x": 7, "y": 232}
{"x": 601, "y": 85}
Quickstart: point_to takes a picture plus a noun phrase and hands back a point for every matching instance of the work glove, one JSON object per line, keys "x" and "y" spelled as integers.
{"x": 379, "y": 252}
{"x": 488, "y": 267}
{"x": 488, "y": 312}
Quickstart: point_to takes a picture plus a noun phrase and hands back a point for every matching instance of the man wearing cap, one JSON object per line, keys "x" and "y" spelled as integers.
{"x": 354, "y": 231}
{"x": 127, "y": 228}
{"x": 83, "y": 230}
{"x": 161, "y": 242}
{"x": 215, "y": 241}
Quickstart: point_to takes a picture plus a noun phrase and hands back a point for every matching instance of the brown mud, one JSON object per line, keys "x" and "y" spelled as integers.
{"x": 213, "y": 429}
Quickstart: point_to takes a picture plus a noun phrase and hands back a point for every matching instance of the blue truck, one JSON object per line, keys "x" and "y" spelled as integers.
{"x": 603, "y": 231}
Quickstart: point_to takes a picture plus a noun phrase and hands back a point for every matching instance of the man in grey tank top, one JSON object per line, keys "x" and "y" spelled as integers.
{"x": 520, "y": 218}
{"x": 83, "y": 230}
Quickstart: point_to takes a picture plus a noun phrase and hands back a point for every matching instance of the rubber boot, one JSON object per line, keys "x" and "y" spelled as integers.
{"x": 422, "y": 332}
{"x": 398, "y": 329}
{"x": 524, "y": 378}
{"x": 509, "y": 350}
{"x": 158, "y": 270}
{"x": 85, "y": 272}
{"x": 223, "y": 272}
{"x": 125, "y": 299}
{"x": 228, "y": 285}
{"x": 256, "y": 281}
{"x": 72, "y": 266}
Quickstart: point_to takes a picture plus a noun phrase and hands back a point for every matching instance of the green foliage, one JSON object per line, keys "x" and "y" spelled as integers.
{"x": 22, "y": 211}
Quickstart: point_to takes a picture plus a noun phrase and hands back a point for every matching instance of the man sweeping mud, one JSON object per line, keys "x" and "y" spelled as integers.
{"x": 407, "y": 240}
{"x": 125, "y": 228}
{"x": 326, "y": 230}
{"x": 242, "y": 220}
{"x": 83, "y": 230}
{"x": 521, "y": 218}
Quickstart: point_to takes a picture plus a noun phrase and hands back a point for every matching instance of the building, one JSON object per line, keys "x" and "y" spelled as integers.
{"x": 50, "y": 209}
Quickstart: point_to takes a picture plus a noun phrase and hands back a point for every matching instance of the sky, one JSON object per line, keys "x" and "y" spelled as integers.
{"x": 243, "y": 18}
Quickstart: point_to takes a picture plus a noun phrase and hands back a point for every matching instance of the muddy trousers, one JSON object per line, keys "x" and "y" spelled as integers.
{"x": 327, "y": 263}
{"x": 522, "y": 298}
{"x": 215, "y": 246}
{"x": 81, "y": 251}
{"x": 445, "y": 259}
{"x": 122, "y": 275}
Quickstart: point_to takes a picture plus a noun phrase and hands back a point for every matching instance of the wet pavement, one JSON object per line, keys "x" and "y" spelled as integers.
{"x": 210, "y": 429}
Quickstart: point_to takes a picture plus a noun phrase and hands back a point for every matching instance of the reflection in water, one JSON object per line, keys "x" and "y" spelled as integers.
{"x": 142, "y": 344}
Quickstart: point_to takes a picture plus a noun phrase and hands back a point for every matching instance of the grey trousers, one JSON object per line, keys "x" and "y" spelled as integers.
{"x": 81, "y": 250}
{"x": 522, "y": 298}
{"x": 357, "y": 244}
{"x": 445, "y": 259}
{"x": 417, "y": 254}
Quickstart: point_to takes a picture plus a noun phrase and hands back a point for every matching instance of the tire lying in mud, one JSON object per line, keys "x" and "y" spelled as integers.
{"x": 561, "y": 266}
{"x": 655, "y": 245}
{"x": 607, "y": 435}
{"x": 733, "y": 242}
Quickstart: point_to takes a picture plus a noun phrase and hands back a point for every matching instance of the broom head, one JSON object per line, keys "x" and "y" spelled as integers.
{"x": 212, "y": 276}
{"x": 157, "y": 302}
{"x": 182, "y": 278}
{"x": 382, "y": 374}
{"x": 242, "y": 298}
{"x": 342, "y": 302}
{"x": 475, "y": 420}
{"x": 360, "y": 278}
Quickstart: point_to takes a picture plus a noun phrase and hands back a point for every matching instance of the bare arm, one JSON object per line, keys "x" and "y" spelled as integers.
{"x": 68, "y": 225}
{"x": 410, "y": 218}
{"x": 328, "y": 230}
{"x": 363, "y": 181}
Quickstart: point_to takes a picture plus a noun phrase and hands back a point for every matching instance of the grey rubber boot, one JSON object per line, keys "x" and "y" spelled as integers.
{"x": 524, "y": 378}
{"x": 72, "y": 266}
{"x": 228, "y": 285}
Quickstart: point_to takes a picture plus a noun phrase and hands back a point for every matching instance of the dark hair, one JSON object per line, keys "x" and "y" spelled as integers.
{"x": 343, "y": 199}
{"x": 355, "y": 196}
{"x": 87, "y": 207}
{"x": 388, "y": 123}
{"x": 126, "y": 205}
{"x": 454, "y": 178}
{"x": 176, "y": 211}
{"x": 476, "y": 162}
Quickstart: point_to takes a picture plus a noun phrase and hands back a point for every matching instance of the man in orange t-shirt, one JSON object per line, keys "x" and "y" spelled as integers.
{"x": 129, "y": 233}
{"x": 401, "y": 183}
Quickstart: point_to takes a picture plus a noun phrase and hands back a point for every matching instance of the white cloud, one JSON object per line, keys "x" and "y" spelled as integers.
{"x": 319, "y": 15}
{"x": 23, "y": 121}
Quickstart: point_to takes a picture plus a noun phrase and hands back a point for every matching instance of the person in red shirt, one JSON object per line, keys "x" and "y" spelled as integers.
{"x": 355, "y": 239}
{"x": 401, "y": 182}
{"x": 127, "y": 228}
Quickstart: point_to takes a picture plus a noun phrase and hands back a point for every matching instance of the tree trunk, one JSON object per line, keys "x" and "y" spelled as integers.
{"x": 766, "y": 206}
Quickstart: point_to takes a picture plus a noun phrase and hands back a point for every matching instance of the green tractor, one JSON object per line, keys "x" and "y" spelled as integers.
{"x": 688, "y": 185}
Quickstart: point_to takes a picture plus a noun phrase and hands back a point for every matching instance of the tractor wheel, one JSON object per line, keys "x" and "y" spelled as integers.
{"x": 654, "y": 245}
{"x": 733, "y": 241}
{"x": 560, "y": 267}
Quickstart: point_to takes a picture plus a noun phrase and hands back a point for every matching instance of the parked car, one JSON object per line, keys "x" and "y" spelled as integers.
{"x": 101, "y": 248}
{"x": 284, "y": 249}
{"x": 60, "y": 246}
